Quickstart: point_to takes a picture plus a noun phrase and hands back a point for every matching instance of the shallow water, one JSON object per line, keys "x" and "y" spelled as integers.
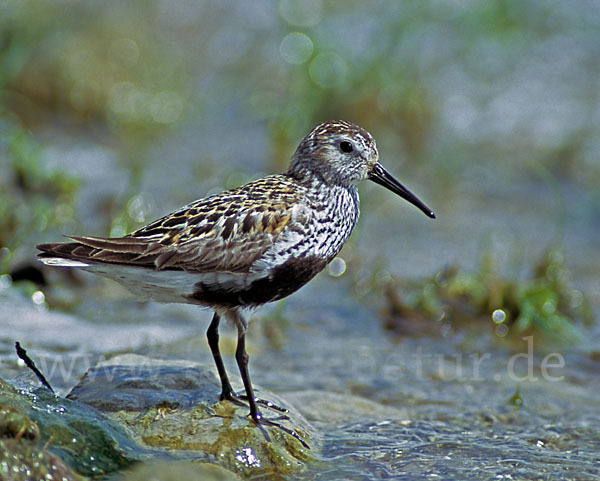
{"x": 383, "y": 408}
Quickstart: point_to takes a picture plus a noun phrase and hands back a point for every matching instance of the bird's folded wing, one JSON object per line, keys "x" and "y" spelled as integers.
{"x": 187, "y": 239}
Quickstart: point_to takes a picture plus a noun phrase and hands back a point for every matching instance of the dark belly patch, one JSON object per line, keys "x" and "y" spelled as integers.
{"x": 282, "y": 281}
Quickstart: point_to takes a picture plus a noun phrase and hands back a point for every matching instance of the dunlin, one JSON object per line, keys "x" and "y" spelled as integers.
{"x": 247, "y": 246}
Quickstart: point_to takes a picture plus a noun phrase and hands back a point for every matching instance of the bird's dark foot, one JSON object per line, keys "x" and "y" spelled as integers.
{"x": 262, "y": 421}
{"x": 267, "y": 404}
{"x": 232, "y": 397}
{"x": 239, "y": 400}
{"x": 259, "y": 419}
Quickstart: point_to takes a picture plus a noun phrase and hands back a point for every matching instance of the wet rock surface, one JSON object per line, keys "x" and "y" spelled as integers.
{"x": 179, "y": 470}
{"x": 48, "y": 437}
{"x": 173, "y": 407}
{"x": 26, "y": 461}
{"x": 165, "y": 414}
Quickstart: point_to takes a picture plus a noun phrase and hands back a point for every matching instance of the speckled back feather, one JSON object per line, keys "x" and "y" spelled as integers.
{"x": 228, "y": 231}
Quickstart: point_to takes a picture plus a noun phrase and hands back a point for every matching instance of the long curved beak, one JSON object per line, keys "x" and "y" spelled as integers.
{"x": 382, "y": 177}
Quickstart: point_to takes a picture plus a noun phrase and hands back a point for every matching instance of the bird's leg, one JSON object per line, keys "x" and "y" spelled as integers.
{"x": 227, "y": 392}
{"x": 242, "y": 359}
{"x": 212, "y": 335}
{"x": 241, "y": 356}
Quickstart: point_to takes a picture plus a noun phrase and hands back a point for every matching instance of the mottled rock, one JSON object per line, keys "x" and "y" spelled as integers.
{"x": 174, "y": 407}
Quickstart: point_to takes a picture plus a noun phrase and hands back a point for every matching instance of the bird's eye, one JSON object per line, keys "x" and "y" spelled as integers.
{"x": 346, "y": 146}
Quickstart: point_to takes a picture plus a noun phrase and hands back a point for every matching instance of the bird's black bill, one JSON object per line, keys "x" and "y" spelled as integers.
{"x": 382, "y": 177}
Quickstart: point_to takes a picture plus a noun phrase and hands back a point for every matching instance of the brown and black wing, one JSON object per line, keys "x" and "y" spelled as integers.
{"x": 227, "y": 232}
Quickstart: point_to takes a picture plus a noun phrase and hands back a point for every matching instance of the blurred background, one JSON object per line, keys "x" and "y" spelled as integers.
{"x": 112, "y": 114}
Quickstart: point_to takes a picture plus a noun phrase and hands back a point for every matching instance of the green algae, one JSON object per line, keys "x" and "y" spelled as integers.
{"x": 14, "y": 423}
{"x": 54, "y": 427}
{"x": 20, "y": 461}
{"x": 23, "y": 454}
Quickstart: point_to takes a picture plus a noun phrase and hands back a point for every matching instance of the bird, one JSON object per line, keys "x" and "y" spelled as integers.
{"x": 248, "y": 246}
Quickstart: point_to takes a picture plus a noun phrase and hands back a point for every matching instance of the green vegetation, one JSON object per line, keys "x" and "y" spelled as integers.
{"x": 32, "y": 197}
{"x": 516, "y": 400}
{"x": 544, "y": 303}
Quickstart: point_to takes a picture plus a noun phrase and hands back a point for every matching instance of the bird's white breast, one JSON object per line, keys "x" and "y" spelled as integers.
{"x": 317, "y": 228}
